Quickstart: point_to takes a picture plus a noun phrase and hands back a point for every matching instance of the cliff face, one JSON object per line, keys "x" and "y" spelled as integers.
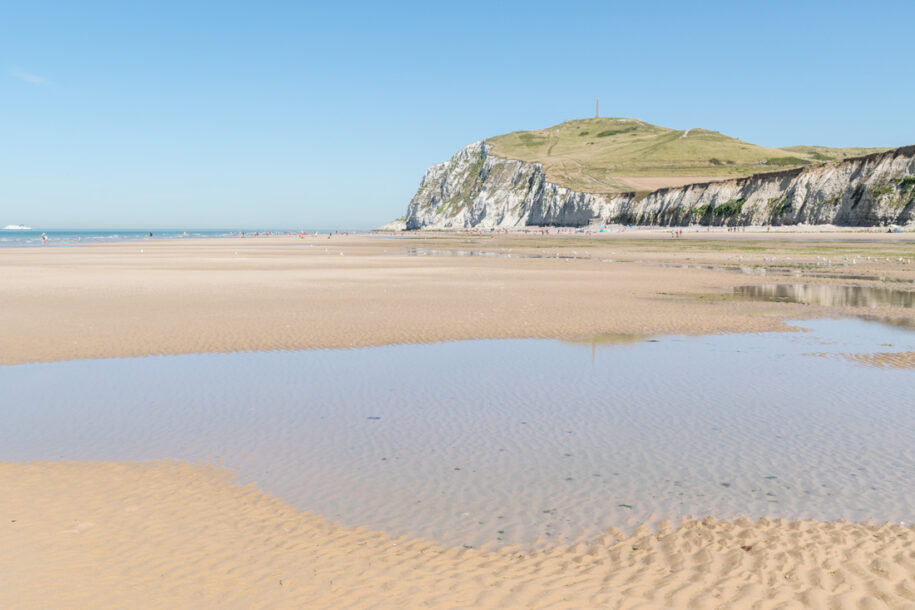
{"x": 477, "y": 189}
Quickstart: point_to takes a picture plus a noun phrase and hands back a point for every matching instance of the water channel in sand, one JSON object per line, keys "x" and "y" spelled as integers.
{"x": 507, "y": 441}
{"x": 831, "y": 295}
{"x": 800, "y": 270}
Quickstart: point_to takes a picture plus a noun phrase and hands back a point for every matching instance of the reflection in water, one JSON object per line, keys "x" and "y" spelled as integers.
{"x": 898, "y": 322}
{"x": 607, "y": 340}
{"x": 599, "y": 339}
{"x": 800, "y": 271}
{"x": 574, "y": 255}
{"x": 832, "y": 295}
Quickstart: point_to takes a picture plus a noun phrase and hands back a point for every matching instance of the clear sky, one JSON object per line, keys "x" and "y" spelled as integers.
{"x": 325, "y": 115}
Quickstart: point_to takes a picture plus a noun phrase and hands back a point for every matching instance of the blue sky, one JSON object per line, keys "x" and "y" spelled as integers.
{"x": 274, "y": 114}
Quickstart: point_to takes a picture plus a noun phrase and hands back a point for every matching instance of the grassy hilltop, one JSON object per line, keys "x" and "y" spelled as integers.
{"x": 609, "y": 155}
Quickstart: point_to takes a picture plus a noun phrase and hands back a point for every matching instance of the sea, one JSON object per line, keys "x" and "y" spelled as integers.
{"x": 70, "y": 237}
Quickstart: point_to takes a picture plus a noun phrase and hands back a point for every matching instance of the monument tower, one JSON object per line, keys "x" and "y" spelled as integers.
{"x": 597, "y": 109}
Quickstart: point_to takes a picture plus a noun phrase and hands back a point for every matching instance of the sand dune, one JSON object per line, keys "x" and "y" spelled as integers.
{"x": 169, "y": 534}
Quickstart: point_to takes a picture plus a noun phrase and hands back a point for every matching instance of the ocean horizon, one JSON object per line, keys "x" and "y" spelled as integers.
{"x": 69, "y": 237}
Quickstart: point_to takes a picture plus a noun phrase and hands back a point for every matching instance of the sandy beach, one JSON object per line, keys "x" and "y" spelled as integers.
{"x": 172, "y": 297}
{"x": 175, "y": 534}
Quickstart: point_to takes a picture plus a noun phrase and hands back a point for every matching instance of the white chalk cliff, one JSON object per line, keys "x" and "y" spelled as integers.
{"x": 475, "y": 189}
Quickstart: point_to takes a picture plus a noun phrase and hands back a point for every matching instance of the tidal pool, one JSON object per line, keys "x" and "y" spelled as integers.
{"x": 508, "y": 441}
{"x": 805, "y": 271}
{"x": 835, "y": 295}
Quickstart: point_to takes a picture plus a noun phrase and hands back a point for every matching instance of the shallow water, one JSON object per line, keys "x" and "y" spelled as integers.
{"x": 830, "y": 295}
{"x": 508, "y": 440}
{"x": 571, "y": 255}
{"x": 809, "y": 270}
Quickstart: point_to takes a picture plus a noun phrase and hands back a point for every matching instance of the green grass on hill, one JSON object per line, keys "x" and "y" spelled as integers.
{"x": 618, "y": 154}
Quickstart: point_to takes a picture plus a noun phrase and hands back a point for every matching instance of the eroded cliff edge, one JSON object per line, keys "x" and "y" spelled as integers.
{"x": 477, "y": 189}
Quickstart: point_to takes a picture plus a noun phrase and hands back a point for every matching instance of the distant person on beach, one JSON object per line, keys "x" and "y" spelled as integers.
{"x": 44, "y": 239}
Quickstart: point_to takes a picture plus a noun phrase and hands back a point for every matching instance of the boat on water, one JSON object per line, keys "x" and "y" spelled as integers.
{"x": 17, "y": 228}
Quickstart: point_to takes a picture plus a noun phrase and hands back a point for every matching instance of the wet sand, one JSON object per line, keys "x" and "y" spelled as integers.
{"x": 169, "y": 534}
{"x": 894, "y": 360}
{"x": 170, "y": 297}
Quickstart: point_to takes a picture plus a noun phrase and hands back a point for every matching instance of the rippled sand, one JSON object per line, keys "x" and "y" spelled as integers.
{"x": 169, "y": 535}
{"x": 894, "y": 360}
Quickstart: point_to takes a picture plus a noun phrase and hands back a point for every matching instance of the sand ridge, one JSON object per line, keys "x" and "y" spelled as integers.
{"x": 171, "y": 534}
